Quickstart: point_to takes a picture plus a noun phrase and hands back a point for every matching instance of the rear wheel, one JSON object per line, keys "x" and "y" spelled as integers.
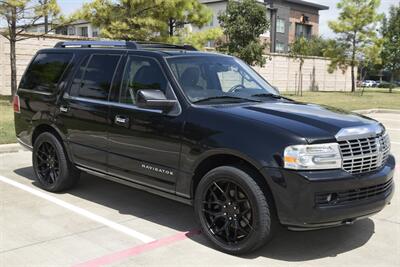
{"x": 52, "y": 168}
{"x": 233, "y": 211}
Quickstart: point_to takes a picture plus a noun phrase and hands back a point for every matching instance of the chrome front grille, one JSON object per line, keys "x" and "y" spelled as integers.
{"x": 364, "y": 154}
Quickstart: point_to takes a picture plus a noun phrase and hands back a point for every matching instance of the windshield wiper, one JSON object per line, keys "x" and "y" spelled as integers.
{"x": 225, "y": 97}
{"x": 271, "y": 96}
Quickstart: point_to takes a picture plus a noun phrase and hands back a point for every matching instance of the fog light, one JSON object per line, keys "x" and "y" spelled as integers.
{"x": 331, "y": 197}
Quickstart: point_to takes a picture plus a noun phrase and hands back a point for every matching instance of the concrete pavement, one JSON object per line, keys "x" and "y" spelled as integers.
{"x": 42, "y": 229}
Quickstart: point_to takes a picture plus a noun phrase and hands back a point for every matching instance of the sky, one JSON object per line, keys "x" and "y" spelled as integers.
{"x": 332, "y": 13}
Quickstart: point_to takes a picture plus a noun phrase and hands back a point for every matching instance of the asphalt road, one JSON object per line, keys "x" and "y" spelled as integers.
{"x": 101, "y": 223}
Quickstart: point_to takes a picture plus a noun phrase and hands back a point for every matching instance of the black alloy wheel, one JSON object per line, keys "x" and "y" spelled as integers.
{"x": 48, "y": 167}
{"x": 54, "y": 172}
{"x": 228, "y": 212}
{"x": 233, "y": 211}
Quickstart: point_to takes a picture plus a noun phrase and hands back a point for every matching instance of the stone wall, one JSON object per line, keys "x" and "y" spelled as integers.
{"x": 281, "y": 71}
{"x": 26, "y": 49}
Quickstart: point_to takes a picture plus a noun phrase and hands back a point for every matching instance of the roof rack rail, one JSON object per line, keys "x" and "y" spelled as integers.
{"x": 156, "y": 45}
{"x": 90, "y": 44}
{"x": 123, "y": 44}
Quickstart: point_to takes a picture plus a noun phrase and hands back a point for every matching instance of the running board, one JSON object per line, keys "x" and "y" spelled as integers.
{"x": 136, "y": 185}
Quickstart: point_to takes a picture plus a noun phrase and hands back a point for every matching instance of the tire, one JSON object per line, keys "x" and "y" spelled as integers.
{"x": 53, "y": 171}
{"x": 233, "y": 211}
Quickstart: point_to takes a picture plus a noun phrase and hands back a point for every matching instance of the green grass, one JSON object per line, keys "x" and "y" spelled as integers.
{"x": 7, "y": 132}
{"x": 372, "y": 98}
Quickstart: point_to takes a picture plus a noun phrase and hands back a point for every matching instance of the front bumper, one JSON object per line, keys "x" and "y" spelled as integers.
{"x": 296, "y": 193}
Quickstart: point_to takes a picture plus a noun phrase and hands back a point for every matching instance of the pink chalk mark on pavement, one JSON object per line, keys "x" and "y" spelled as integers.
{"x": 130, "y": 252}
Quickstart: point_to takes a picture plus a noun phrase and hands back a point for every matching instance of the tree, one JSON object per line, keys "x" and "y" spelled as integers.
{"x": 143, "y": 19}
{"x": 19, "y": 16}
{"x": 391, "y": 42}
{"x": 184, "y": 12}
{"x": 197, "y": 39}
{"x": 49, "y": 8}
{"x": 243, "y": 22}
{"x": 302, "y": 48}
{"x": 356, "y": 27}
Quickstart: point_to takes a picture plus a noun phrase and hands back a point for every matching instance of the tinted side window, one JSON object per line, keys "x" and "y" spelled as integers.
{"x": 45, "y": 71}
{"x": 141, "y": 73}
{"x": 94, "y": 78}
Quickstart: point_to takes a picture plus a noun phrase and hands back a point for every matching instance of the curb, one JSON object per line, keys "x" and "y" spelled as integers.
{"x": 377, "y": 110}
{"x": 11, "y": 148}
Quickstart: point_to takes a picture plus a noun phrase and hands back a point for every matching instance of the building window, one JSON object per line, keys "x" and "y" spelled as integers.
{"x": 84, "y": 31}
{"x": 280, "y": 25}
{"x": 211, "y": 43}
{"x": 62, "y": 31}
{"x": 280, "y": 47}
{"x": 211, "y": 23}
{"x": 303, "y": 30}
{"x": 71, "y": 30}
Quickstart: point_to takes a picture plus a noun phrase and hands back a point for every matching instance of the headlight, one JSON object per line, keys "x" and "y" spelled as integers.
{"x": 313, "y": 157}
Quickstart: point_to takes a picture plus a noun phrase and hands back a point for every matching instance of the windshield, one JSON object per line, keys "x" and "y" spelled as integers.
{"x": 218, "y": 79}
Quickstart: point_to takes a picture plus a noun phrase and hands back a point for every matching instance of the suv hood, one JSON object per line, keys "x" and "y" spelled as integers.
{"x": 313, "y": 122}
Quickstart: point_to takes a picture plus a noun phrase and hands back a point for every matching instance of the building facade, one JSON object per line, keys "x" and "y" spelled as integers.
{"x": 79, "y": 28}
{"x": 289, "y": 19}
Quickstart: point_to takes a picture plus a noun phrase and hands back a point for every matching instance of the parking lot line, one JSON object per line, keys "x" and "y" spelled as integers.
{"x": 385, "y": 119}
{"x": 130, "y": 252}
{"x": 113, "y": 225}
{"x": 392, "y": 129}
{"x": 395, "y": 143}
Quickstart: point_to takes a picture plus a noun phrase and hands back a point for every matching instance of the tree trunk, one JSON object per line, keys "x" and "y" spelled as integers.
{"x": 171, "y": 24}
{"x": 46, "y": 20}
{"x": 391, "y": 82}
{"x": 353, "y": 63}
{"x": 13, "y": 60}
{"x": 301, "y": 78}
{"x": 46, "y": 24}
{"x": 13, "y": 65}
{"x": 353, "y": 85}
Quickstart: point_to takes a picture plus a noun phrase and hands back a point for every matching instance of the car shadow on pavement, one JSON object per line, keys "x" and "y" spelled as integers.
{"x": 285, "y": 246}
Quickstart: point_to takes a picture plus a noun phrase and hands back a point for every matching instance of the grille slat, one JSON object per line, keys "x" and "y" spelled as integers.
{"x": 365, "y": 154}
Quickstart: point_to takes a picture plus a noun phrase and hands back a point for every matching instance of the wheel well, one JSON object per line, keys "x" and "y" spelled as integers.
{"x": 215, "y": 161}
{"x": 45, "y": 128}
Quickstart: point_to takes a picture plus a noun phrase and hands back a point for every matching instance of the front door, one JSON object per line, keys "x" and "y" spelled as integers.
{"x": 144, "y": 145}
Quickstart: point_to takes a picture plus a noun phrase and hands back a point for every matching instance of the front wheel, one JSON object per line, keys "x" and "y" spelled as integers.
{"x": 233, "y": 211}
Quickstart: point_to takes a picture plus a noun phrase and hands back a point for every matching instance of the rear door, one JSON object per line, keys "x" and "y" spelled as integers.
{"x": 144, "y": 144}
{"x": 84, "y": 109}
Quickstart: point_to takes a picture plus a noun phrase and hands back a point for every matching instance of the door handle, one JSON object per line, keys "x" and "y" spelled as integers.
{"x": 121, "y": 120}
{"x": 64, "y": 109}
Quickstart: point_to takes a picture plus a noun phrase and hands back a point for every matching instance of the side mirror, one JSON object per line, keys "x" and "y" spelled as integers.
{"x": 154, "y": 99}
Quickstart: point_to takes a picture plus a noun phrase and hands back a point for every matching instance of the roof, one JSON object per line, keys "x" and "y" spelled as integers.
{"x": 298, "y": 2}
{"x": 310, "y": 4}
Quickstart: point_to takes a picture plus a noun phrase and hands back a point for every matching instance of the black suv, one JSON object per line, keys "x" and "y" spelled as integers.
{"x": 204, "y": 129}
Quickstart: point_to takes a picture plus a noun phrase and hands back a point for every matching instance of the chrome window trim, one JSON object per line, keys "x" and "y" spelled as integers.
{"x": 109, "y": 103}
{"x": 35, "y": 92}
{"x": 364, "y": 131}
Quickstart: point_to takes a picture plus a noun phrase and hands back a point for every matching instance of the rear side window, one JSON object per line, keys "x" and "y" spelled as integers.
{"x": 94, "y": 77}
{"x": 45, "y": 71}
